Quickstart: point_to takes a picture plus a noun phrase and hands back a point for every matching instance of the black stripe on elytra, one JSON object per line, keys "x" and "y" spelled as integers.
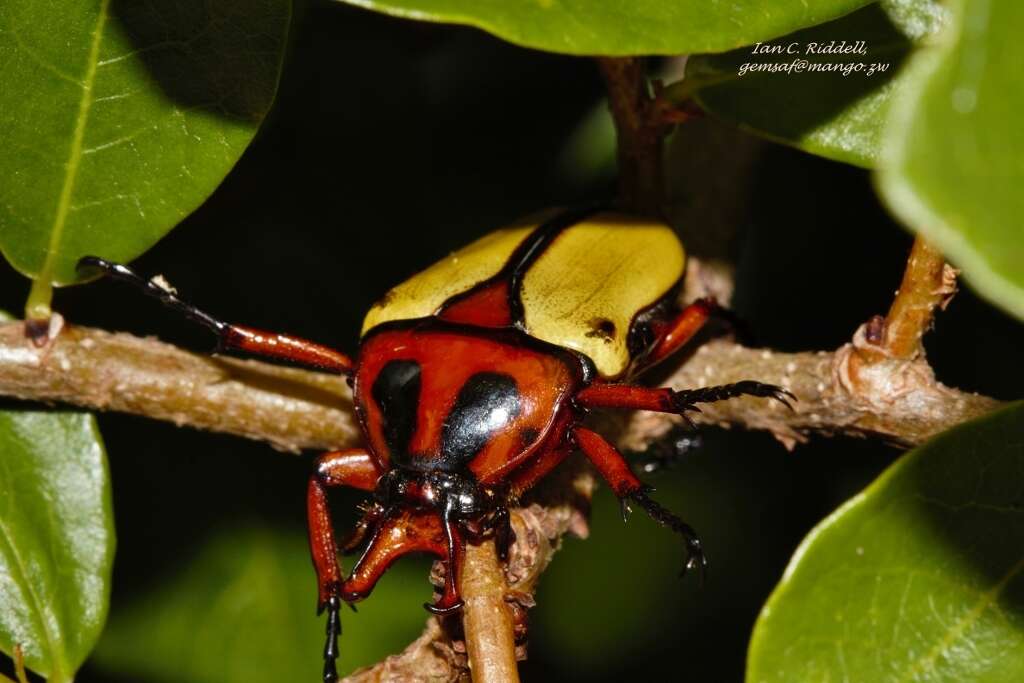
{"x": 524, "y": 255}
{"x": 486, "y": 404}
{"x": 527, "y": 253}
{"x": 397, "y": 391}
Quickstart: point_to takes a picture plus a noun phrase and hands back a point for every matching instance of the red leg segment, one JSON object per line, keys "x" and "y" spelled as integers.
{"x": 402, "y": 532}
{"x": 358, "y": 469}
{"x": 613, "y": 467}
{"x": 355, "y": 468}
{"x": 608, "y": 461}
{"x": 663, "y": 400}
{"x": 673, "y": 334}
{"x": 523, "y": 479}
{"x": 284, "y": 347}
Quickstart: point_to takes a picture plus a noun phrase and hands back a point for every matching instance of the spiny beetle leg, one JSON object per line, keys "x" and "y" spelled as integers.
{"x": 685, "y": 399}
{"x": 695, "y": 557}
{"x": 503, "y": 535}
{"x": 270, "y": 345}
{"x": 88, "y": 265}
{"x": 333, "y": 606}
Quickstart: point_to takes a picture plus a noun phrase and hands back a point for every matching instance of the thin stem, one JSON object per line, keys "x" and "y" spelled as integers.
{"x": 639, "y": 135}
{"x": 37, "y": 311}
{"x": 927, "y": 283}
{"x": 887, "y": 353}
{"x": 19, "y": 664}
{"x": 486, "y": 618}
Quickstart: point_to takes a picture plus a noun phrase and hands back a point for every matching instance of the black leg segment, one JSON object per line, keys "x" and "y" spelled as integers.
{"x": 687, "y": 398}
{"x": 695, "y": 558}
{"x": 271, "y": 345}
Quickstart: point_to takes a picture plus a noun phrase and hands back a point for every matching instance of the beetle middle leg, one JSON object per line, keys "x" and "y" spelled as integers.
{"x": 616, "y": 471}
{"x": 665, "y": 400}
{"x": 355, "y": 468}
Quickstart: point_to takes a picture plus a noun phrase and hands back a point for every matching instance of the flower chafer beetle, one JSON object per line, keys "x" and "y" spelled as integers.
{"x": 471, "y": 382}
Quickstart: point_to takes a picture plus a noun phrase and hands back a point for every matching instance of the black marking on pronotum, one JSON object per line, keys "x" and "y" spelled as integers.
{"x": 397, "y": 391}
{"x": 487, "y": 402}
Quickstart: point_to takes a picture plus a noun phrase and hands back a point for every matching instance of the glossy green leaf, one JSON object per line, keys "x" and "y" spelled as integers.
{"x": 56, "y": 538}
{"x": 955, "y": 149}
{"x": 918, "y": 578}
{"x": 623, "y": 27}
{"x": 244, "y": 610}
{"x": 832, "y": 105}
{"x": 119, "y": 118}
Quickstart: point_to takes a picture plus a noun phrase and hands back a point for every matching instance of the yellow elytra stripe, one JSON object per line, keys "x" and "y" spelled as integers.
{"x": 422, "y": 294}
{"x": 587, "y": 286}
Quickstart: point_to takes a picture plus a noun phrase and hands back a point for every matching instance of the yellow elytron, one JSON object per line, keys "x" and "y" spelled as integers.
{"x": 582, "y": 292}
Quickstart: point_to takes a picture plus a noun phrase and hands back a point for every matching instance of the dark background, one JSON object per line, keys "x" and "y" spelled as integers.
{"x": 391, "y": 144}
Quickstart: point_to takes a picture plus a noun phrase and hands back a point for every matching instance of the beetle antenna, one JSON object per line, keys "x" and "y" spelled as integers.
{"x": 152, "y": 288}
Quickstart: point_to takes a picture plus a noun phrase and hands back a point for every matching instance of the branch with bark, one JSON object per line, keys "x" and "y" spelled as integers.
{"x": 864, "y": 388}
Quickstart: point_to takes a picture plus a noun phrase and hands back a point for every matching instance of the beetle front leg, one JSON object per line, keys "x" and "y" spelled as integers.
{"x": 455, "y": 548}
{"x": 616, "y": 471}
{"x": 355, "y": 468}
{"x": 404, "y": 531}
{"x": 671, "y": 335}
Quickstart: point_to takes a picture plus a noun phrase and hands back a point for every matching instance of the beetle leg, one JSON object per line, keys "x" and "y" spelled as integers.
{"x": 664, "y": 400}
{"x": 503, "y": 536}
{"x": 685, "y": 399}
{"x": 616, "y": 471}
{"x": 356, "y": 468}
{"x": 404, "y": 531}
{"x": 455, "y": 548}
{"x": 366, "y": 524}
{"x": 671, "y": 335}
{"x": 231, "y": 337}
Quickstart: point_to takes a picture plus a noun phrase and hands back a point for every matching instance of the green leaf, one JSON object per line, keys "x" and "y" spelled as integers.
{"x": 56, "y": 538}
{"x": 244, "y": 610}
{"x": 918, "y": 578}
{"x": 120, "y": 118}
{"x": 623, "y": 27}
{"x": 955, "y": 149}
{"x": 840, "y": 113}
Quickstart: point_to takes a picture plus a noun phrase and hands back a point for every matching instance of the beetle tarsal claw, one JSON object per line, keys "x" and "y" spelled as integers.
{"x": 695, "y": 557}
{"x": 442, "y": 611}
{"x": 684, "y": 400}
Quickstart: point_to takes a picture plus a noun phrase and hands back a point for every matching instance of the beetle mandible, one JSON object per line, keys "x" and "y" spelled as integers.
{"x": 471, "y": 382}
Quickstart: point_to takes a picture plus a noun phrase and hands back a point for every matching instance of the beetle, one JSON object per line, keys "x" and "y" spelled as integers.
{"x": 471, "y": 382}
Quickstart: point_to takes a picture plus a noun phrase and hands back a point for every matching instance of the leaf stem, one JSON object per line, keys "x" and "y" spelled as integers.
{"x": 896, "y": 339}
{"x": 19, "y": 664}
{"x": 638, "y": 135}
{"x": 927, "y": 283}
{"x": 37, "y": 307}
{"x": 486, "y": 618}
